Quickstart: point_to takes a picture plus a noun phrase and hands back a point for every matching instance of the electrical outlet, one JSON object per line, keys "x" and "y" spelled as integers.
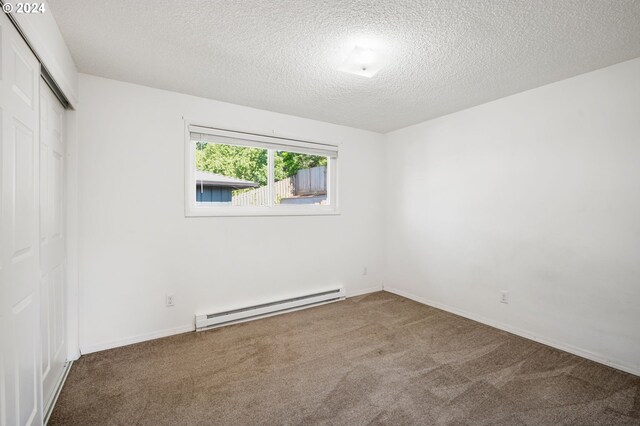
{"x": 365, "y": 271}
{"x": 504, "y": 296}
{"x": 169, "y": 300}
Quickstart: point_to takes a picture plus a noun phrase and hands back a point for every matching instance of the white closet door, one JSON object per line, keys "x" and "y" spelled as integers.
{"x": 52, "y": 242}
{"x": 20, "y": 372}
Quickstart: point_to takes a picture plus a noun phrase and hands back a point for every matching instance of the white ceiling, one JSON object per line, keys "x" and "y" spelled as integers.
{"x": 283, "y": 55}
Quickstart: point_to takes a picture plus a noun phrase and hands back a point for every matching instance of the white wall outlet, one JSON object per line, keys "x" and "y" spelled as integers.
{"x": 169, "y": 300}
{"x": 504, "y": 296}
{"x": 365, "y": 270}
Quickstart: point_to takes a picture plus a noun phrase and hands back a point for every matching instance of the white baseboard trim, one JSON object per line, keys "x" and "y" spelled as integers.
{"x": 136, "y": 339}
{"x": 87, "y": 349}
{"x": 73, "y": 355}
{"x": 364, "y": 291}
{"x": 50, "y": 405}
{"x": 599, "y": 358}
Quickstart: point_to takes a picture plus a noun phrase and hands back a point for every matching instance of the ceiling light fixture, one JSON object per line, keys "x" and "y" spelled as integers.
{"x": 363, "y": 62}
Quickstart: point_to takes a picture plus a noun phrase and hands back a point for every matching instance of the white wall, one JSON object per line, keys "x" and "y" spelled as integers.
{"x": 537, "y": 194}
{"x": 136, "y": 245}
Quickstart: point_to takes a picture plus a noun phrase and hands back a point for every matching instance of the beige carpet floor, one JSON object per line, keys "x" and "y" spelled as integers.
{"x": 374, "y": 359}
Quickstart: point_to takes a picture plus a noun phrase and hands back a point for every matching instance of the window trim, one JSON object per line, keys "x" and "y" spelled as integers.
{"x": 192, "y": 209}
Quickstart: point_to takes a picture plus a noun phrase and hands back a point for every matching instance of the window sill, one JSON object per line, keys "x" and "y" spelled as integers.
{"x": 253, "y": 212}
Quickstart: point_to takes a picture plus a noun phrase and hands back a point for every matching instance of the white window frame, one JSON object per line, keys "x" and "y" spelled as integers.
{"x": 219, "y": 135}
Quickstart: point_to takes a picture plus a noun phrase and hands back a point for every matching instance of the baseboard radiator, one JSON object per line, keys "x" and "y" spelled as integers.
{"x": 262, "y": 310}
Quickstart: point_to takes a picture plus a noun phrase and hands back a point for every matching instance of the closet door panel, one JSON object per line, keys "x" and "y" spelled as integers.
{"x": 20, "y": 358}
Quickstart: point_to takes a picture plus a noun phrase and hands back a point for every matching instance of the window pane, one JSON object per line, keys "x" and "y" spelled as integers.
{"x": 300, "y": 178}
{"x": 231, "y": 175}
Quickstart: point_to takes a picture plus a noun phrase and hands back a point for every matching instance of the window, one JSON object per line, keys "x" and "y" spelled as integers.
{"x": 242, "y": 174}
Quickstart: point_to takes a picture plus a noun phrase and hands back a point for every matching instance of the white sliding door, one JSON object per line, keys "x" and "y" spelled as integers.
{"x": 20, "y": 365}
{"x": 52, "y": 242}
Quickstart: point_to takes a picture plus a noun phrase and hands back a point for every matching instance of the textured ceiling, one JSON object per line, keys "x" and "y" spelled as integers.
{"x": 282, "y": 55}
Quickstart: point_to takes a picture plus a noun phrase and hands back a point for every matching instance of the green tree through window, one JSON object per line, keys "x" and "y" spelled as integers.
{"x": 250, "y": 163}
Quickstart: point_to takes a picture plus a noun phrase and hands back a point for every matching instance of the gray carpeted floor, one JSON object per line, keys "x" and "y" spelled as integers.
{"x": 374, "y": 359}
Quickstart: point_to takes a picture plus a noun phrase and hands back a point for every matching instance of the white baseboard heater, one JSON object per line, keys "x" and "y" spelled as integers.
{"x": 262, "y": 310}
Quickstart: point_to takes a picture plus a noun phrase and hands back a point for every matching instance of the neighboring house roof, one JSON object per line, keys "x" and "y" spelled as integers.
{"x": 212, "y": 179}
